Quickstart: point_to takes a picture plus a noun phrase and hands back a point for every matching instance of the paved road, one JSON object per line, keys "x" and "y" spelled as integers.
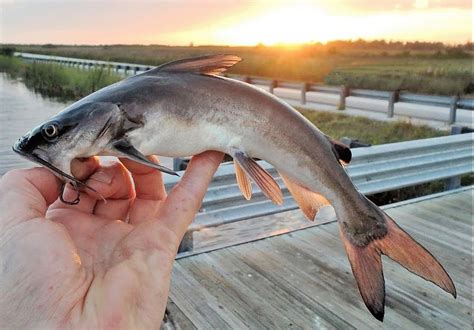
{"x": 376, "y": 109}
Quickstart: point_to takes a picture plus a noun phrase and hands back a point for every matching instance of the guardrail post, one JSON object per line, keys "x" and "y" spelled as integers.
{"x": 176, "y": 164}
{"x": 187, "y": 242}
{"x": 273, "y": 85}
{"x": 342, "y": 97}
{"x": 455, "y": 181}
{"x": 392, "y": 99}
{"x": 304, "y": 89}
{"x": 452, "y": 109}
{"x": 135, "y": 69}
{"x": 117, "y": 68}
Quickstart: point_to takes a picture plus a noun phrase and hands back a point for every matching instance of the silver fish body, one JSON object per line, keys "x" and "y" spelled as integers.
{"x": 183, "y": 108}
{"x": 184, "y": 114}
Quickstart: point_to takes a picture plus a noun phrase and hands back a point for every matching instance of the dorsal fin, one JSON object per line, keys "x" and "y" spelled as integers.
{"x": 210, "y": 64}
{"x": 343, "y": 153}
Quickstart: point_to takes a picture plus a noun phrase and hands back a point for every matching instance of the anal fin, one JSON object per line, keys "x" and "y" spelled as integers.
{"x": 261, "y": 177}
{"x": 309, "y": 201}
{"x": 243, "y": 181}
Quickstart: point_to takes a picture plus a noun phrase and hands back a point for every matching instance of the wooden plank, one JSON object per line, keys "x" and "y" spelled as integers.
{"x": 240, "y": 301}
{"x": 271, "y": 297}
{"x": 175, "y": 318}
{"x": 198, "y": 304}
{"x": 400, "y": 281}
{"x": 430, "y": 222}
{"x": 314, "y": 278}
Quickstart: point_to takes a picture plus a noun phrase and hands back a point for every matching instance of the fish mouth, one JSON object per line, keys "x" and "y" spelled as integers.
{"x": 37, "y": 159}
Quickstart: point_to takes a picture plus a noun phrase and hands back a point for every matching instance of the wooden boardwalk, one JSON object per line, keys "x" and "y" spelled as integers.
{"x": 303, "y": 279}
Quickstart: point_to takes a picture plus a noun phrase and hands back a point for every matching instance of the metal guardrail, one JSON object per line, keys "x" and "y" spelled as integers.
{"x": 373, "y": 169}
{"x": 453, "y": 103}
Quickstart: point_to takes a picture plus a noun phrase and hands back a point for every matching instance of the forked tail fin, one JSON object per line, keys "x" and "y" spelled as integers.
{"x": 366, "y": 264}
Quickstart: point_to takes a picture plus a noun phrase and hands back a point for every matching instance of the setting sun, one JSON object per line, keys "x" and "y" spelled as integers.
{"x": 288, "y": 24}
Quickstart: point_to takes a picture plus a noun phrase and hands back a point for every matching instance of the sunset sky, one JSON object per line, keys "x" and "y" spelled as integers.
{"x": 227, "y": 22}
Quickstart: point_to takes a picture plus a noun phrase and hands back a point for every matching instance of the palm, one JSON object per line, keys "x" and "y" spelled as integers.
{"x": 102, "y": 264}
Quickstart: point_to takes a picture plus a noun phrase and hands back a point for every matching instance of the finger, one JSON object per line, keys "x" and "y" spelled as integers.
{"x": 114, "y": 183}
{"x": 148, "y": 181}
{"x": 149, "y": 189}
{"x": 166, "y": 231}
{"x": 185, "y": 199}
{"x": 26, "y": 194}
{"x": 81, "y": 169}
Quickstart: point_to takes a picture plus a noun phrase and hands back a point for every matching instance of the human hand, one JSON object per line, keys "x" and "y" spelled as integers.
{"x": 95, "y": 264}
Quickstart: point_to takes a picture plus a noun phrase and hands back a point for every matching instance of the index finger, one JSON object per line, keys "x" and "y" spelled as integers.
{"x": 185, "y": 199}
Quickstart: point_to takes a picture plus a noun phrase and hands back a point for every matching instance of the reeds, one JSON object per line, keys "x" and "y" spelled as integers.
{"x": 58, "y": 81}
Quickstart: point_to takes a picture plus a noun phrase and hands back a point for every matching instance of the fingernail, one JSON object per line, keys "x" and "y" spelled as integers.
{"x": 103, "y": 177}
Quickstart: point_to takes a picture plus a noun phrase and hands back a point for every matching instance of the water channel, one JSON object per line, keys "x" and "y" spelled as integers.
{"x": 20, "y": 110}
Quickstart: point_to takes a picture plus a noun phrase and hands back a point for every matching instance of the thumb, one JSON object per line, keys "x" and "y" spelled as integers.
{"x": 26, "y": 194}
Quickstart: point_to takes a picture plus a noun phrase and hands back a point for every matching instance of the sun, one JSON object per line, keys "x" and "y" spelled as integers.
{"x": 285, "y": 24}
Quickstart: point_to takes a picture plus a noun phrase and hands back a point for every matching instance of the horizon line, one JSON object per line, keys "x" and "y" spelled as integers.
{"x": 260, "y": 44}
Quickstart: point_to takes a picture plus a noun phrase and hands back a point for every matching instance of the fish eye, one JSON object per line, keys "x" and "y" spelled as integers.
{"x": 50, "y": 131}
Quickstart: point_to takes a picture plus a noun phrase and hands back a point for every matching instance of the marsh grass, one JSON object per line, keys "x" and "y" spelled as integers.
{"x": 58, "y": 81}
{"x": 11, "y": 65}
{"x": 433, "y": 72}
{"x": 428, "y": 76}
{"x": 368, "y": 130}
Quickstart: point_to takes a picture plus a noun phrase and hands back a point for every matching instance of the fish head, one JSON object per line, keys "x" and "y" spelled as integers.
{"x": 79, "y": 131}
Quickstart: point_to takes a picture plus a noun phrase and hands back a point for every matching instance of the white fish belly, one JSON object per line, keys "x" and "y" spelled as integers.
{"x": 172, "y": 137}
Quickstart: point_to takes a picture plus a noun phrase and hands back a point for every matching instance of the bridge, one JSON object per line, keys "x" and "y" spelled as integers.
{"x": 252, "y": 264}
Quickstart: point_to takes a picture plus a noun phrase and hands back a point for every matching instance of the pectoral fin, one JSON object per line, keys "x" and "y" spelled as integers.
{"x": 261, "y": 177}
{"x": 127, "y": 150}
{"x": 309, "y": 202}
{"x": 243, "y": 181}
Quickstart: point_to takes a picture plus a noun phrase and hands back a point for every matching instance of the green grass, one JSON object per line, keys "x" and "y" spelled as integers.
{"x": 368, "y": 130}
{"x": 428, "y": 76}
{"x": 11, "y": 65}
{"x": 432, "y": 72}
{"x": 58, "y": 81}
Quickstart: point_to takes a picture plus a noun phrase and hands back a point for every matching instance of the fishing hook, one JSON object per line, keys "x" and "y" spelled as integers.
{"x": 76, "y": 188}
